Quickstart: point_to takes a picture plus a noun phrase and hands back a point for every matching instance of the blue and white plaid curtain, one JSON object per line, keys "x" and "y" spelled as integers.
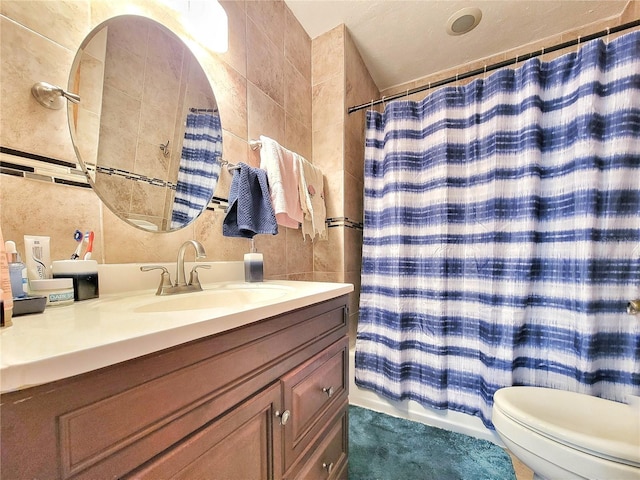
{"x": 199, "y": 167}
{"x": 502, "y": 235}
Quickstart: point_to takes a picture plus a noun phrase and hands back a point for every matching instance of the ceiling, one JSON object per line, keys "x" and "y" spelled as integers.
{"x": 402, "y": 40}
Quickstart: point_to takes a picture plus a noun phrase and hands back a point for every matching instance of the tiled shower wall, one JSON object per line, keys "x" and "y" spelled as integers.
{"x": 262, "y": 85}
{"x": 341, "y": 79}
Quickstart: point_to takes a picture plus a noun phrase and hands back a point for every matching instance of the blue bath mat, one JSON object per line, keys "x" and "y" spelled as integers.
{"x": 382, "y": 447}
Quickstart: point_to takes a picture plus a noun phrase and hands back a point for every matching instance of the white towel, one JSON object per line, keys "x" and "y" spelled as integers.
{"x": 311, "y": 191}
{"x": 278, "y": 162}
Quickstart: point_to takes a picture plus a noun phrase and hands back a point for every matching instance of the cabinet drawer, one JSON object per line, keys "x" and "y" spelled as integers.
{"x": 327, "y": 459}
{"x": 313, "y": 392}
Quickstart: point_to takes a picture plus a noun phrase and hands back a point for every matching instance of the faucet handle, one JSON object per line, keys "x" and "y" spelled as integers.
{"x": 165, "y": 277}
{"x": 193, "y": 278}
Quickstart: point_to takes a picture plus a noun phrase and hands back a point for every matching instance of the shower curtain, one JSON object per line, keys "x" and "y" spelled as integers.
{"x": 502, "y": 235}
{"x": 199, "y": 167}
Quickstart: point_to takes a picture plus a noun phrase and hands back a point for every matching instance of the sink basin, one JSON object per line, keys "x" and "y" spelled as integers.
{"x": 233, "y": 296}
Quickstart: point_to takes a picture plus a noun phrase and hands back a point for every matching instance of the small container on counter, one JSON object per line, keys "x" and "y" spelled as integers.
{"x": 27, "y": 305}
{"x": 83, "y": 273}
{"x": 58, "y": 291}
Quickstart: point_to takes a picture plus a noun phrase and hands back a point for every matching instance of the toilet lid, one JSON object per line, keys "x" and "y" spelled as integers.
{"x": 603, "y": 428}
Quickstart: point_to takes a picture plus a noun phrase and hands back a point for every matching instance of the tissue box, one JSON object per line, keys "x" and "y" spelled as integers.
{"x": 84, "y": 274}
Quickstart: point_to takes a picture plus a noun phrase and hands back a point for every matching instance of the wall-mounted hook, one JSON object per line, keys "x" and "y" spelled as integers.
{"x": 51, "y": 96}
{"x": 164, "y": 148}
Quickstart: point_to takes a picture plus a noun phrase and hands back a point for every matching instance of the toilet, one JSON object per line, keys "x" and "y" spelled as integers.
{"x": 566, "y": 435}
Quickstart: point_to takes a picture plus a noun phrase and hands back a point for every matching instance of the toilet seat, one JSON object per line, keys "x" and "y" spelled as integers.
{"x": 595, "y": 426}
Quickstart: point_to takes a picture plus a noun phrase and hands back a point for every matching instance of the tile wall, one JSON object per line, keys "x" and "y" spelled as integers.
{"x": 341, "y": 79}
{"x": 262, "y": 85}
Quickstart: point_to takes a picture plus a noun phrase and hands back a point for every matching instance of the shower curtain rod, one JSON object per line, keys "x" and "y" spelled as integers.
{"x": 495, "y": 66}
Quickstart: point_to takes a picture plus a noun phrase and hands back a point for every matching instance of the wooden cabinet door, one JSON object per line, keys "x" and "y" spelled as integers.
{"x": 241, "y": 444}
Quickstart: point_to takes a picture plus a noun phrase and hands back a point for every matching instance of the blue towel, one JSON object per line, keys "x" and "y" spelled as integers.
{"x": 250, "y": 209}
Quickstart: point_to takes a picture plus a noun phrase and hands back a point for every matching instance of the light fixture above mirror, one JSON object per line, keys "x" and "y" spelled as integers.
{"x": 208, "y": 23}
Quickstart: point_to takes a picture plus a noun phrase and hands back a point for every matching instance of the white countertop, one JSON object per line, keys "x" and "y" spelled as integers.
{"x": 91, "y": 334}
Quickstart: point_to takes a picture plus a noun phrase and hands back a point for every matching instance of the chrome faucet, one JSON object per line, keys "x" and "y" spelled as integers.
{"x": 167, "y": 287}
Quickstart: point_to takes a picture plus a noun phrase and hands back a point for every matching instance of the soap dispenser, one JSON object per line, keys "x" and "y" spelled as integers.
{"x": 253, "y": 265}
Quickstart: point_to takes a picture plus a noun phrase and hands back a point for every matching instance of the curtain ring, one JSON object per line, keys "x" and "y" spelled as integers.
{"x": 384, "y": 105}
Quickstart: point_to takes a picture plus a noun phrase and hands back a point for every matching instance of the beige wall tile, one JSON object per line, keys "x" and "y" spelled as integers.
{"x": 300, "y": 277}
{"x": 353, "y": 198}
{"x": 265, "y": 63}
{"x": 327, "y": 53}
{"x": 334, "y": 188}
{"x": 297, "y": 98}
{"x": 28, "y": 58}
{"x": 297, "y": 45}
{"x": 631, "y": 12}
{"x": 68, "y": 31}
{"x": 266, "y": 117}
{"x": 354, "y": 144}
{"x": 90, "y": 89}
{"x": 328, "y": 102}
{"x": 66, "y": 208}
{"x": 230, "y": 89}
{"x": 352, "y": 250}
{"x": 359, "y": 86}
{"x": 328, "y": 147}
{"x": 219, "y": 248}
{"x": 329, "y": 254}
{"x": 274, "y": 249}
{"x": 268, "y": 15}
{"x": 328, "y": 277}
{"x": 298, "y": 138}
{"x": 299, "y": 253}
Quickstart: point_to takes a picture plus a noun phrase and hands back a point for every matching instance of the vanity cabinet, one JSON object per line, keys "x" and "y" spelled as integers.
{"x": 267, "y": 400}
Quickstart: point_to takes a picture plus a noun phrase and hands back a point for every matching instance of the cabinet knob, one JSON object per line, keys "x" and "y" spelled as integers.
{"x": 328, "y": 467}
{"x": 284, "y": 416}
{"x": 328, "y": 391}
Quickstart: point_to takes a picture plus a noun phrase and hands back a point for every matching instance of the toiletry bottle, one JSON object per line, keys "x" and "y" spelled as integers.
{"x": 17, "y": 270}
{"x": 5, "y": 285}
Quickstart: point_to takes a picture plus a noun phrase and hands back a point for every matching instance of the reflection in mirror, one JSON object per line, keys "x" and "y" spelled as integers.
{"x": 147, "y": 131}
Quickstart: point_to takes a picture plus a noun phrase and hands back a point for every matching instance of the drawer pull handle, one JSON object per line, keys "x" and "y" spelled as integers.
{"x": 328, "y": 468}
{"x": 284, "y": 416}
{"x": 328, "y": 391}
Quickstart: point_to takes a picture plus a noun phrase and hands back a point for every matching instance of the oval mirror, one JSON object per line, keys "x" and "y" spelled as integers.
{"x": 147, "y": 130}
